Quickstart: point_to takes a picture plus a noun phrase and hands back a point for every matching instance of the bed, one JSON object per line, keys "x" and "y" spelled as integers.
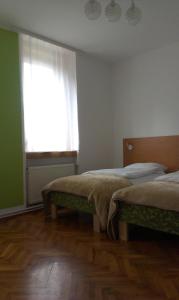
{"x": 158, "y": 217}
{"x": 86, "y": 192}
{"x": 63, "y": 199}
{"x": 91, "y": 192}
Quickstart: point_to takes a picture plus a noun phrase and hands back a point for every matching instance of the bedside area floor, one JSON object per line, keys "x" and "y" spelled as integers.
{"x": 66, "y": 260}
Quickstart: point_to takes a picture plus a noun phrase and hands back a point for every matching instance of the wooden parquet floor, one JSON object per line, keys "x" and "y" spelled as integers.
{"x": 65, "y": 260}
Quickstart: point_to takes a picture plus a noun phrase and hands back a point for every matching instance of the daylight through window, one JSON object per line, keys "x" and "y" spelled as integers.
{"x": 49, "y": 96}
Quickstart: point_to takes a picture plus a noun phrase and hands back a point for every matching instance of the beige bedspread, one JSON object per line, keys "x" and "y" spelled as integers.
{"x": 163, "y": 195}
{"x": 96, "y": 188}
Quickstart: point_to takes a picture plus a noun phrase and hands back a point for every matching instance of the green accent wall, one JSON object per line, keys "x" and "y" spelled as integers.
{"x": 11, "y": 154}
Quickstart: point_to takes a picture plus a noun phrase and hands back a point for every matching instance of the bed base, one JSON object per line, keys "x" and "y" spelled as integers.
{"x": 66, "y": 211}
{"x": 149, "y": 217}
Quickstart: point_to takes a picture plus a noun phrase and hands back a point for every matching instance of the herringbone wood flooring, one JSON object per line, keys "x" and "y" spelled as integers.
{"x": 66, "y": 260}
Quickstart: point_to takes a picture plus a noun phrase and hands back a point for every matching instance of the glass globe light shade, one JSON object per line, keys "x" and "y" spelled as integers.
{"x": 113, "y": 11}
{"x": 93, "y": 9}
{"x": 133, "y": 14}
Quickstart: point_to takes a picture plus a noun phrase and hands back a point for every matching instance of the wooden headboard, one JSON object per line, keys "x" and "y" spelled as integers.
{"x": 162, "y": 149}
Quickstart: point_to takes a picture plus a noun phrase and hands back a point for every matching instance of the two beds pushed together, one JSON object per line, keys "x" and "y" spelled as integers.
{"x": 121, "y": 209}
{"x": 91, "y": 192}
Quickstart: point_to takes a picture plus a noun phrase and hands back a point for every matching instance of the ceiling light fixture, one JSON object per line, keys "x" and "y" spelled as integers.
{"x": 133, "y": 14}
{"x": 93, "y": 9}
{"x": 113, "y": 11}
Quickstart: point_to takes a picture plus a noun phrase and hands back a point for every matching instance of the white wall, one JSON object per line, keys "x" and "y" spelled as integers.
{"x": 95, "y": 113}
{"x": 146, "y": 96}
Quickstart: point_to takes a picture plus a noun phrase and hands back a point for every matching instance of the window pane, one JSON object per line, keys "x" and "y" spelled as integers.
{"x": 50, "y": 97}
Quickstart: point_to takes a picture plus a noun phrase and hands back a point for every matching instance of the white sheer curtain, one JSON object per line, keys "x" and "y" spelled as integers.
{"x": 49, "y": 96}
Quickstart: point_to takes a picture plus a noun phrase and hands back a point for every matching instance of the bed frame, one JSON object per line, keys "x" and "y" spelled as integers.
{"x": 149, "y": 217}
{"x": 164, "y": 150}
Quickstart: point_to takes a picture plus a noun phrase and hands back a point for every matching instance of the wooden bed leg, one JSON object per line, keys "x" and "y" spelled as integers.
{"x": 96, "y": 224}
{"x": 123, "y": 231}
{"x": 53, "y": 211}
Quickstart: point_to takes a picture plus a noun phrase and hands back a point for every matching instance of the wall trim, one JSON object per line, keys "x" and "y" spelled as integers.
{"x": 8, "y": 212}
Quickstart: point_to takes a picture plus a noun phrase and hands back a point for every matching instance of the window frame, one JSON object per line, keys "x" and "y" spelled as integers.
{"x": 41, "y": 155}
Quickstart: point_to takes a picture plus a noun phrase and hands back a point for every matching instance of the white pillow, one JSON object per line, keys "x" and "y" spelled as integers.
{"x": 170, "y": 177}
{"x": 147, "y": 166}
{"x": 138, "y": 173}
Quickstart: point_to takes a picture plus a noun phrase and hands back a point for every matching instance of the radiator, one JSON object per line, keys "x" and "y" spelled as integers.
{"x": 38, "y": 177}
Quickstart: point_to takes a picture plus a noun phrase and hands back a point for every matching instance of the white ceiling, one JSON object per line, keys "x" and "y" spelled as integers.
{"x": 64, "y": 21}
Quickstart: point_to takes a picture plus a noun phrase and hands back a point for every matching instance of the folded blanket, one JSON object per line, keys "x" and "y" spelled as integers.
{"x": 96, "y": 188}
{"x": 163, "y": 195}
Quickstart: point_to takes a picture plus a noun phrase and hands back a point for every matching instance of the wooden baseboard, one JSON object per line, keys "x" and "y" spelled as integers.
{"x": 10, "y": 213}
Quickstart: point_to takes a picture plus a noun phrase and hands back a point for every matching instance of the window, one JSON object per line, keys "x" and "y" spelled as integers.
{"x": 49, "y": 96}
